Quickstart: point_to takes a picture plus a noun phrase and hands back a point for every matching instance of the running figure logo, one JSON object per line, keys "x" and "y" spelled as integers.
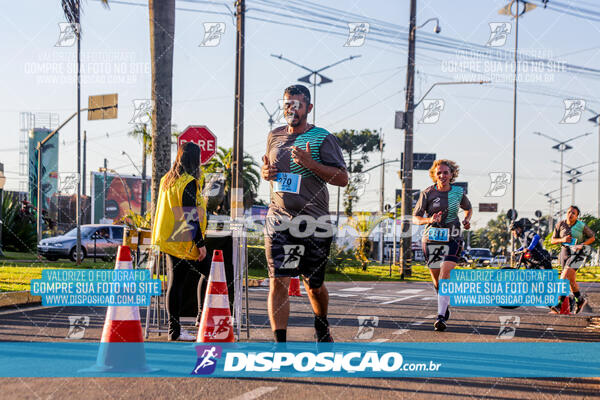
{"x": 499, "y": 32}
{"x": 508, "y": 326}
{"x": 431, "y": 111}
{"x": 578, "y": 258}
{"x": 292, "y": 254}
{"x": 357, "y": 35}
{"x": 573, "y": 110}
{"x": 358, "y": 184}
{"x": 366, "y": 326}
{"x": 77, "y": 325}
{"x": 68, "y": 34}
{"x": 142, "y": 110}
{"x": 207, "y": 359}
{"x": 437, "y": 252}
{"x": 499, "y": 182}
{"x": 67, "y": 182}
{"x": 222, "y": 326}
{"x": 212, "y": 34}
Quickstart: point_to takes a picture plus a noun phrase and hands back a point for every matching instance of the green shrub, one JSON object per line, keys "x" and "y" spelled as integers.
{"x": 256, "y": 257}
{"x": 340, "y": 259}
{"x": 18, "y": 228}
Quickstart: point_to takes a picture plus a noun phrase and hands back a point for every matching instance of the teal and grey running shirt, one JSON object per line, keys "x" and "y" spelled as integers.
{"x": 432, "y": 201}
{"x": 313, "y": 197}
{"x": 579, "y": 231}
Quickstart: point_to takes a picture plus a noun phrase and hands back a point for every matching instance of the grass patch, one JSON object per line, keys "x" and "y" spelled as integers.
{"x": 420, "y": 273}
{"x": 17, "y": 276}
{"x": 15, "y": 255}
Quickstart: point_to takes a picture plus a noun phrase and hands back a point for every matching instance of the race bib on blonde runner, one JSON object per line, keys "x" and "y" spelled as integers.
{"x": 438, "y": 234}
{"x": 286, "y": 182}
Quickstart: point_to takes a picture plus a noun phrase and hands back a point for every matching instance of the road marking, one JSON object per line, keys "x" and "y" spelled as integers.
{"x": 256, "y": 393}
{"x": 399, "y": 299}
{"x": 410, "y": 291}
{"x": 378, "y": 298}
{"x": 430, "y": 316}
{"x": 379, "y": 340}
{"x": 544, "y": 307}
{"x": 258, "y": 289}
{"x": 342, "y": 294}
{"x": 357, "y": 289}
{"x": 417, "y": 323}
{"x": 430, "y": 298}
{"x": 399, "y": 331}
{"x": 25, "y": 309}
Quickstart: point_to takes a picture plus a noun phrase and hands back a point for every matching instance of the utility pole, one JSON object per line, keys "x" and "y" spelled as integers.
{"x": 237, "y": 208}
{"x": 381, "y": 194}
{"x": 78, "y": 197}
{"x": 84, "y": 162}
{"x": 514, "y": 144}
{"x": 237, "y": 186}
{"x": 104, "y": 190}
{"x": 143, "y": 202}
{"x": 405, "y": 249}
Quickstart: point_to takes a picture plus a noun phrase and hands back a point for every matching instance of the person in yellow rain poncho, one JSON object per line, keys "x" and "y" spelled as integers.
{"x": 179, "y": 222}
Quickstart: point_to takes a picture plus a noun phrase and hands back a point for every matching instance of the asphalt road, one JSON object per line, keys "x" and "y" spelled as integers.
{"x": 401, "y": 312}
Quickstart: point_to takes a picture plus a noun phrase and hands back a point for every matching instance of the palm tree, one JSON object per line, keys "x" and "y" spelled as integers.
{"x": 162, "y": 34}
{"x": 221, "y": 165}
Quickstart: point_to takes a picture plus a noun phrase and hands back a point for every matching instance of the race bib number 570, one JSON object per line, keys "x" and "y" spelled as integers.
{"x": 286, "y": 182}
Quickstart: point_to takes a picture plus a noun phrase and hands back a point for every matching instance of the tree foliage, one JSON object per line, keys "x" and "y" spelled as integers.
{"x": 356, "y": 145}
{"x": 218, "y": 183}
{"x": 495, "y": 235}
{"x": 18, "y": 226}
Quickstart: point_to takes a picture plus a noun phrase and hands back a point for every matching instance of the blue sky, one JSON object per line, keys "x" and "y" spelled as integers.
{"x": 474, "y": 128}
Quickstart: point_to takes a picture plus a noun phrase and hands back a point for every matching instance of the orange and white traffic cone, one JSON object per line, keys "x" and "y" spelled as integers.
{"x": 122, "y": 343}
{"x": 216, "y": 324}
{"x": 565, "y": 308}
{"x": 294, "y": 289}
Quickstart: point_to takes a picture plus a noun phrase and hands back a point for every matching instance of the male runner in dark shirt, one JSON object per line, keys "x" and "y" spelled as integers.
{"x": 301, "y": 160}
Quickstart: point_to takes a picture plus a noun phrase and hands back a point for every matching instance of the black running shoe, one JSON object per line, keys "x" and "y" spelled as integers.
{"x": 580, "y": 305}
{"x": 324, "y": 338}
{"x": 447, "y": 316}
{"x": 440, "y": 324}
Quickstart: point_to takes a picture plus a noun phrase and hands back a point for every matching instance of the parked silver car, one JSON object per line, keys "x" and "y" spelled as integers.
{"x": 481, "y": 257}
{"x": 99, "y": 240}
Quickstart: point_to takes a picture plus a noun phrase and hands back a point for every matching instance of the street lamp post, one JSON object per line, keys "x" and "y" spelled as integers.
{"x": 552, "y": 201}
{"x": 314, "y": 73}
{"x": 270, "y": 121}
{"x": 596, "y": 120}
{"x": 560, "y": 146}
{"x": 574, "y": 173}
{"x": 406, "y": 123}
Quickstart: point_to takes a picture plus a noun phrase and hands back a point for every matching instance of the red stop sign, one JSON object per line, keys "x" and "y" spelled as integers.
{"x": 203, "y": 137}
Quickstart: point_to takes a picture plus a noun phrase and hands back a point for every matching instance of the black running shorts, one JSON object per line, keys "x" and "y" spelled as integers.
{"x": 437, "y": 252}
{"x": 291, "y": 256}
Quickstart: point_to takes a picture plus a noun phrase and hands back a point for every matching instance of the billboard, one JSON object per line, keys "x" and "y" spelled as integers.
{"x": 49, "y": 181}
{"x": 123, "y": 193}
